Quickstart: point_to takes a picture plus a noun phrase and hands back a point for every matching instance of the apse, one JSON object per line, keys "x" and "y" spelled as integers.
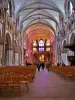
{"x": 40, "y": 35}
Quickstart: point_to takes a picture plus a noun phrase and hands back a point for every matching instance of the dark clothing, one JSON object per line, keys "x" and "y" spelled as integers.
{"x": 28, "y": 63}
{"x": 42, "y": 65}
{"x": 38, "y": 66}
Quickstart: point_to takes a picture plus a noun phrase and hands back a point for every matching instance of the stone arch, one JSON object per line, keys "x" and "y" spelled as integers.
{"x": 72, "y": 39}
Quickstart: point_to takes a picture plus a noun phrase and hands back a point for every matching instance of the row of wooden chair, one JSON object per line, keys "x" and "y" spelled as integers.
{"x": 15, "y": 76}
{"x": 66, "y": 71}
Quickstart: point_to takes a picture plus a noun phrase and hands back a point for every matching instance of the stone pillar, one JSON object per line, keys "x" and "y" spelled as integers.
{"x": 64, "y": 58}
{"x": 10, "y": 57}
{"x": 51, "y": 54}
{"x": 1, "y": 50}
{"x": 22, "y": 49}
{"x": 20, "y": 60}
{"x": 13, "y": 42}
{"x": 3, "y": 36}
{"x": 6, "y": 60}
{"x": 16, "y": 58}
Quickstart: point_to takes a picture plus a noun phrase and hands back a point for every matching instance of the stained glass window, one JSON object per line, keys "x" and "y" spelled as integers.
{"x": 47, "y": 48}
{"x": 47, "y": 43}
{"x": 34, "y": 43}
{"x": 41, "y": 48}
{"x": 34, "y": 49}
{"x": 35, "y": 46}
{"x": 41, "y": 45}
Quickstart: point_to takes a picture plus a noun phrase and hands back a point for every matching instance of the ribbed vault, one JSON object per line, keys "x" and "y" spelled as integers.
{"x": 38, "y": 11}
{"x": 39, "y": 31}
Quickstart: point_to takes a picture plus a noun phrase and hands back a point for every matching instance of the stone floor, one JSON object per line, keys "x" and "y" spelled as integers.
{"x": 45, "y": 86}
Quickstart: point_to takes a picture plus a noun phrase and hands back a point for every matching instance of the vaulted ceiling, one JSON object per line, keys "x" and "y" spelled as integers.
{"x": 39, "y": 19}
{"x": 39, "y": 31}
{"x": 39, "y": 11}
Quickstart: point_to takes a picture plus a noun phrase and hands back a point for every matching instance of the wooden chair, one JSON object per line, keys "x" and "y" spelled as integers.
{"x": 3, "y": 84}
{"x": 24, "y": 80}
{"x": 13, "y": 82}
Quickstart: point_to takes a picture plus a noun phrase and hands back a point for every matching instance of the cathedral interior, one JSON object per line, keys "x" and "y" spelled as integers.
{"x": 33, "y": 32}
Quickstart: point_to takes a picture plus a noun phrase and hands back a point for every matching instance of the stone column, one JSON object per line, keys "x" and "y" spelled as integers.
{"x": 3, "y": 36}
{"x": 1, "y": 50}
{"x": 64, "y": 58}
{"x": 22, "y": 49}
{"x": 10, "y": 57}
{"x": 6, "y": 60}
{"x": 20, "y": 60}
{"x": 16, "y": 58}
{"x": 13, "y": 42}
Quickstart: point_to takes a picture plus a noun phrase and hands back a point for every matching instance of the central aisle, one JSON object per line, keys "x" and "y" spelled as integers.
{"x": 46, "y": 86}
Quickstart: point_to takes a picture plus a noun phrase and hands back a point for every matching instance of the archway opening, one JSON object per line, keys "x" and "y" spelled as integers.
{"x": 39, "y": 43}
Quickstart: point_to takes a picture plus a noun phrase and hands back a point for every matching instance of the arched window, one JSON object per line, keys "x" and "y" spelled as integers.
{"x": 41, "y": 45}
{"x": 9, "y": 11}
{"x": 47, "y": 48}
{"x": 70, "y": 8}
{"x": 34, "y": 43}
{"x": 47, "y": 45}
{"x": 35, "y": 46}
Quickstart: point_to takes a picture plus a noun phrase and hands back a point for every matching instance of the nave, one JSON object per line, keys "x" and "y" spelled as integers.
{"x": 34, "y": 32}
{"x": 45, "y": 86}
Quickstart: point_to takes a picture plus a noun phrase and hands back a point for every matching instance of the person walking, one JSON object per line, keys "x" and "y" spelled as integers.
{"x": 43, "y": 65}
{"x": 38, "y": 66}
